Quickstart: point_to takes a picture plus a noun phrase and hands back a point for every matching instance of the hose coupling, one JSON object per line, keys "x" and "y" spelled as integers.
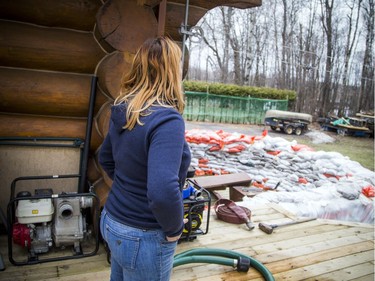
{"x": 250, "y": 225}
{"x": 243, "y": 264}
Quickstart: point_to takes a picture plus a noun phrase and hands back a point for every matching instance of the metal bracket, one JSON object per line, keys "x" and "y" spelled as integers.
{"x": 195, "y": 33}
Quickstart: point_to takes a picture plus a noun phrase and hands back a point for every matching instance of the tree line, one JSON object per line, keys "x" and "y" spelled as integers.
{"x": 322, "y": 49}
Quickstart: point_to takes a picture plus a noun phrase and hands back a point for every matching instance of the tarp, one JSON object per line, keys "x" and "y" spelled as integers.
{"x": 288, "y": 115}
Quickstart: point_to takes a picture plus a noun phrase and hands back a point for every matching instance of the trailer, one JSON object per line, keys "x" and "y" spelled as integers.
{"x": 369, "y": 119}
{"x": 287, "y": 121}
{"x": 349, "y": 126}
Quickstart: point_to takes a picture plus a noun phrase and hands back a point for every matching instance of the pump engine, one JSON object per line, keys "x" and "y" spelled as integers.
{"x": 196, "y": 200}
{"x": 44, "y": 222}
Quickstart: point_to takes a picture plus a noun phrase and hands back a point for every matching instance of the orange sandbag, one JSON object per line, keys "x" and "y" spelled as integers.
{"x": 203, "y": 160}
{"x": 368, "y": 191}
{"x": 299, "y": 147}
{"x": 275, "y": 152}
{"x": 256, "y": 184}
{"x": 331, "y": 176}
{"x": 302, "y": 180}
{"x": 199, "y": 172}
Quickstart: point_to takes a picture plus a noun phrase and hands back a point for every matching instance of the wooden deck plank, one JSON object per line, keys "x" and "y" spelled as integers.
{"x": 90, "y": 276}
{"x": 326, "y": 266}
{"x": 51, "y": 270}
{"x": 202, "y": 272}
{"x": 370, "y": 277}
{"x": 350, "y": 273}
{"x": 301, "y": 261}
{"x": 315, "y": 250}
{"x": 295, "y": 241}
{"x": 306, "y": 260}
{"x": 308, "y": 249}
{"x": 333, "y": 270}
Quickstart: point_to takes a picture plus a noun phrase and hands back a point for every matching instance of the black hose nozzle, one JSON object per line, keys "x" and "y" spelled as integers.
{"x": 243, "y": 264}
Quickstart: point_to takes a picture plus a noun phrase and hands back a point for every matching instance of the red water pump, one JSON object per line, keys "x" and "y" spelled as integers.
{"x": 47, "y": 220}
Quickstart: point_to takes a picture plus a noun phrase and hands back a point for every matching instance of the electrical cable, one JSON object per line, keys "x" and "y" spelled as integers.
{"x": 223, "y": 257}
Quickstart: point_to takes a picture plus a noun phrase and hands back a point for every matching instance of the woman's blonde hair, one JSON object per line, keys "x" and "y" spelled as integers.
{"x": 154, "y": 78}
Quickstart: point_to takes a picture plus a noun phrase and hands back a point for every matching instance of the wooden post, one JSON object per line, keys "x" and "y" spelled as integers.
{"x": 162, "y": 16}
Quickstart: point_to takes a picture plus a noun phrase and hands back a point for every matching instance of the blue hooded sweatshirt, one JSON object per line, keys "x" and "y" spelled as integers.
{"x": 148, "y": 166}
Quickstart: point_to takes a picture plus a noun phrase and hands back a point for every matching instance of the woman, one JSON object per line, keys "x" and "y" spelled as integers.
{"x": 147, "y": 157}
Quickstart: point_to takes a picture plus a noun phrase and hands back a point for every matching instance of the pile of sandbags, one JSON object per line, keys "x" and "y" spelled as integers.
{"x": 319, "y": 177}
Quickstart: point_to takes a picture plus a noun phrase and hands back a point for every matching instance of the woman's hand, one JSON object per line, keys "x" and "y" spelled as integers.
{"x": 175, "y": 238}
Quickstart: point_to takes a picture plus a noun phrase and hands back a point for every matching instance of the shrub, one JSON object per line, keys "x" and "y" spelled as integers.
{"x": 239, "y": 91}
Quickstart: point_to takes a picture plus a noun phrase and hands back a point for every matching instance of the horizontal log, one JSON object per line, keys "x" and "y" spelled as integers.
{"x": 101, "y": 189}
{"x": 125, "y": 25}
{"x": 30, "y": 46}
{"x": 110, "y": 71}
{"x": 106, "y": 178}
{"x": 210, "y": 4}
{"x": 46, "y": 93}
{"x": 150, "y": 3}
{"x": 93, "y": 171}
{"x": 101, "y": 92}
{"x": 197, "y": 9}
{"x": 17, "y": 125}
{"x": 102, "y": 118}
{"x": 74, "y": 14}
{"x": 100, "y": 40}
{"x": 40, "y": 126}
{"x": 112, "y": 68}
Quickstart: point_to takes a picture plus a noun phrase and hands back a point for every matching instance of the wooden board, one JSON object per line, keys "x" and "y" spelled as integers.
{"x": 353, "y": 128}
{"x": 223, "y": 181}
{"x": 315, "y": 250}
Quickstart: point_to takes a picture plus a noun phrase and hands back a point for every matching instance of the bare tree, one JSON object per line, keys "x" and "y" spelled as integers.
{"x": 215, "y": 40}
{"x": 326, "y": 19}
{"x": 366, "y": 97}
{"x": 354, "y": 7}
{"x": 322, "y": 49}
{"x": 308, "y": 64}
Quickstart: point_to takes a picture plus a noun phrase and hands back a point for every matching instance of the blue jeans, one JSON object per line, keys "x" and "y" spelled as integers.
{"x": 137, "y": 254}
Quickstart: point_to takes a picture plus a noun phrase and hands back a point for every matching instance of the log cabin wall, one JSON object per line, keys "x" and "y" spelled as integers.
{"x": 49, "y": 50}
{"x": 48, "y": 55}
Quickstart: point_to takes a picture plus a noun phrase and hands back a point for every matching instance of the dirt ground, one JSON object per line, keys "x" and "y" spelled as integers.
{"x": 360, "y": 149}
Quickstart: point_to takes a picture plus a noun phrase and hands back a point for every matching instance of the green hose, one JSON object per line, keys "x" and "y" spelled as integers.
{"x": 220, "y": 256}
{"x": 203, "y": 259}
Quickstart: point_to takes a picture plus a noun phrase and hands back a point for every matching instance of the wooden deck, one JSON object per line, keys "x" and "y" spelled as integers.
{"x": 315, "y": 250}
